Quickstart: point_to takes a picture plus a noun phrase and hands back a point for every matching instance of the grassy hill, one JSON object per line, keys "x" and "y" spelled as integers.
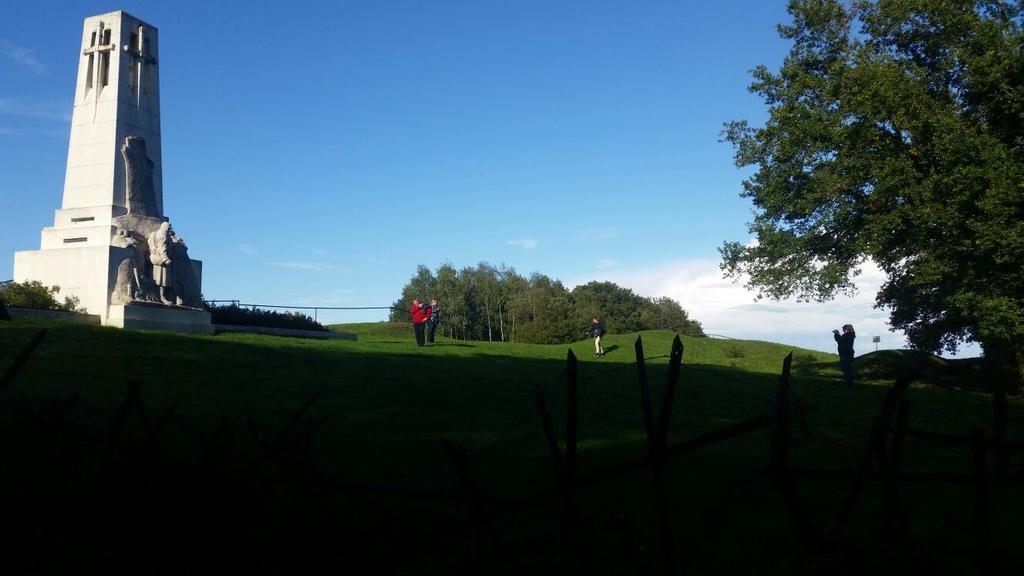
{"x": 382, "y": 406}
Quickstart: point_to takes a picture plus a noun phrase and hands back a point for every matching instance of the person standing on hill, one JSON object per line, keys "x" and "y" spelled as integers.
{"x": 420, "y": 315}
{"x": 435, "y": 318}
{"x": 597, "y": 330}
{"x": 845, "y": 342}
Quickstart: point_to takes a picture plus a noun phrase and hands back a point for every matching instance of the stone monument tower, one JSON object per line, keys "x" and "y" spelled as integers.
{"x": 110, "y": 244}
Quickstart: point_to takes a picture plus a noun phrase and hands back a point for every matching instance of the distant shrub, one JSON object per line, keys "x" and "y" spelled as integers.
{"x": 805, "y": 363}
{"x": 805, "y": 359}
{"x": 734, "y": 351}
{"x": 34, "y": 295}
{"x": 238, "y": 316}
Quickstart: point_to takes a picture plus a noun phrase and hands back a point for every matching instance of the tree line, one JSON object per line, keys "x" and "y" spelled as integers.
{"x": 495, "y": 303}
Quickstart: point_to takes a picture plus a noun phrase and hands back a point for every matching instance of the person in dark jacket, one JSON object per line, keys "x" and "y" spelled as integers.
{"x": 420, "y": 315}
{"x": 845, "y": 342}
{"x": 597, "y": 330}
{"x": 435, "y": 317}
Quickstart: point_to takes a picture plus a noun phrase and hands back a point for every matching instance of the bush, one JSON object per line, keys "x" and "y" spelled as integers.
{"x": 34, "y": 295}
{"x": 734, "y": 351}
{"x": 239, "y": 316}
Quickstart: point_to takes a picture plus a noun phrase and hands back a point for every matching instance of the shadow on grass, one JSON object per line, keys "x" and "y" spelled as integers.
{"x": 239, "y": 479}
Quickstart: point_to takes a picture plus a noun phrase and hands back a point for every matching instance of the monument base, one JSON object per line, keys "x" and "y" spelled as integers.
{"x": 170, "y": 318}
{"x": 80, "y": 271}
{"x": 88, "y": 272}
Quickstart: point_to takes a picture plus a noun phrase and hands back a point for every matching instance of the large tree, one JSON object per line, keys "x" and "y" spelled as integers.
{"x": 666, "y": 314}
{"x": 894, "y": 133}
{"x": 620, "y": 309}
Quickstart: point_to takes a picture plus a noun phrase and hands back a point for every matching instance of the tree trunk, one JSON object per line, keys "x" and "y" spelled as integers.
{"x": 487, "y": 314}
{"x": 1018, "y": 383}
{"x": 1005, "y": 362}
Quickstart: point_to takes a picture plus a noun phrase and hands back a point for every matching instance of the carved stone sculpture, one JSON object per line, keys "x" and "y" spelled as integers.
{"x": 186, "y": 285}
{"x": 140, "y": 197}
{"x": 155, "y": 267}
{"x": 160, "y": 249}
{"x": 126, "y": 287}
{"x": 131, "y": 283}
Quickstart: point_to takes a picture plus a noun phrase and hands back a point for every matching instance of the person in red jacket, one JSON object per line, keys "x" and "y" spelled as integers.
{"x": 420, "y": 315}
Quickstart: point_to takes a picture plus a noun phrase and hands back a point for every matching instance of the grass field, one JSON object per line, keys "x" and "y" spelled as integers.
{"x": 383, "y": 408}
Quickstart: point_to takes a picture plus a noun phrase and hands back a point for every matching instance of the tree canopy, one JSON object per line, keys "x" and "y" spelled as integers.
{"x": 894, "y": 134}
{"x": 497, "y": 304}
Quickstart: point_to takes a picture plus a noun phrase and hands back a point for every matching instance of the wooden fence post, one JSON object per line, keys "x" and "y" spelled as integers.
{"x": 152, "y": 430}
{"x": 875, "y": 448}
{"x": 294, "y": 420}
{"x": 549, "y": 431}
{"x": 665, "y": 413}
{"x": 56, "y": 415}
{"x": 625, "y": 525}
{"x": 571, "y": 417}
{"x": 982, "y": 503}
{"x": 216, "y": 447}
{"x": 892, "y": 517}
{"x": 1000, "y": 432}
{"x": 570, "y": 536}
{"x": 658, "y": 458}
{"x": 460, "y": 460}
{"x": 645, "y": 391}
{"x": 780, "y": 432}
{"x": 21, "y": 359}
{"x": 780, "y": 464}
{"x": 565, "y": 468}
{"x": 120, "y": 418}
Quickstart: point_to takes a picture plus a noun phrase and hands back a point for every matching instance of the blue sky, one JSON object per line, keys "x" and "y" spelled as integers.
{"x": 316, "y": 153}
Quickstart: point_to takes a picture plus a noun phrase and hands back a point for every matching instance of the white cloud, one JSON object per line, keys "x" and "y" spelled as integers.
{"x": 729, "y": 309}
{"x": 24, "y": 57}
{"x": 307, "y": 266}
{"x": 524, "y": 243}
{"x": 602, "y": 233}
{"x": 246, "y": 249}
{"x": 319, "y": 251}
{"x": 604, "y": 263}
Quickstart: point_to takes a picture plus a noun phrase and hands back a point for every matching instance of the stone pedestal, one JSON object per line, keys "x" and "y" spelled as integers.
{"x": 88, "y": 272}
{"x": 83, "y": 271}
{"x": 155, "y": 317}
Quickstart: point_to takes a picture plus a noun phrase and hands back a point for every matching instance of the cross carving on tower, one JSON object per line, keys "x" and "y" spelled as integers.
{"x": 141, "y": 54}
{"x": 100, "y": 46}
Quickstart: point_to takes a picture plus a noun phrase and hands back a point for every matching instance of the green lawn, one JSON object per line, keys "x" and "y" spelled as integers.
{"x": 385, "y": 404}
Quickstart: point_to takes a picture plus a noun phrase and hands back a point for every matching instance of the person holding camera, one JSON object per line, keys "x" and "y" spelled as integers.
{"x": 845, "y": 342}
{"x": 435, "y": 317}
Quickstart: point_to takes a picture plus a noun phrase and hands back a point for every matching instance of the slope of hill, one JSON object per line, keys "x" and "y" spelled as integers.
{"x": 308, "y": 420}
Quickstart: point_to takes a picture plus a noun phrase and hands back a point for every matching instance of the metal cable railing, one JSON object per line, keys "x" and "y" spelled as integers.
{"x": 316, "y": 310}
